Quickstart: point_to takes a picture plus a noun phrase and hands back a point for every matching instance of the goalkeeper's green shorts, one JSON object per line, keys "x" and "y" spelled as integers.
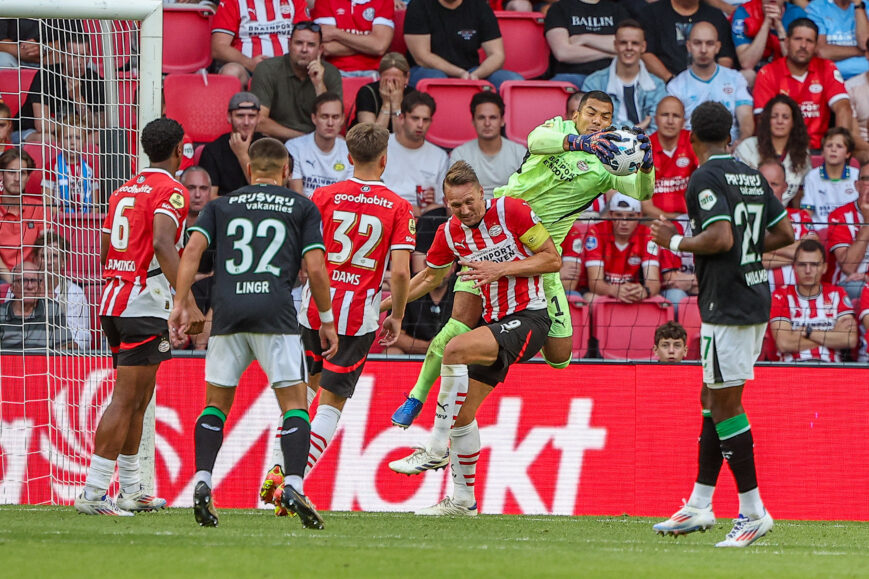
{"x": 556, "y": 303}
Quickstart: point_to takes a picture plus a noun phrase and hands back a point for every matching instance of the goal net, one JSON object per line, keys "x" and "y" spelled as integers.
{"x": 77, "y": 80}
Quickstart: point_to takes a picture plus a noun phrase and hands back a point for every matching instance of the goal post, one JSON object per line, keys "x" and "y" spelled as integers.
{"x": 50, "y": 403}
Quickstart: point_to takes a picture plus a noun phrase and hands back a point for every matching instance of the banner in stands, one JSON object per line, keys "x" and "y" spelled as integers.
{"x": 599, "y": 439}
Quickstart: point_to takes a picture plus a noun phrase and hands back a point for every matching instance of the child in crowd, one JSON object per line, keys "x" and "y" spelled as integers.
{"x": 671, "y": 342}
{"x": 831, "y": 185}
{"x": 70, "y": 185}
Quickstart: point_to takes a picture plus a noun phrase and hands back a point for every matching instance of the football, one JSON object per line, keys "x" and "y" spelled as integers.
{"x": 629, "y": 157}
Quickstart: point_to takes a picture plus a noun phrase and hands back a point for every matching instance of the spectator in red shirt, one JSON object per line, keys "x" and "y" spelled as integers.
{"x": 780, "y": 262}
{"x": 674, "y": 160}
{"x": 6, "y": 128}
{"x": 621, "y": 259}
{"x": 812, "y": 320}
{"x": 21, "y": 216}
{"x": 815, "y": 83}
{"x": 863, "y": 316}
{"x": 355, "y": 34}
{"x": 246, "y": 32}
{"x": 572, "y": 270}
{"x": 848, "y": 239}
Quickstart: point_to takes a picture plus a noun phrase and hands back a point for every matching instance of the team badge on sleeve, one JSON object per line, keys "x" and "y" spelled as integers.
{"x": 411, "y": 225}
{"x": 177, "y": 200}
{"x": 652, "y": 248}
{"x": 707, "y": 199}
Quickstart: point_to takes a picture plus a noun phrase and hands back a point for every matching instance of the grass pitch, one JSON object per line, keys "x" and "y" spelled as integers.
{"x": 56, "y": 542}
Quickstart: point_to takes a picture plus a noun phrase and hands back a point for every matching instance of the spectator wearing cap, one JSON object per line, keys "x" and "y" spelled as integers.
{"x": 620, "y": 257}
{"x": 287, "y": 85}
{"x": 225, "y": 158}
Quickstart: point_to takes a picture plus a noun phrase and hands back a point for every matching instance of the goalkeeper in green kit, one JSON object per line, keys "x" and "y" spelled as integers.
{"x": 560, "y": 177}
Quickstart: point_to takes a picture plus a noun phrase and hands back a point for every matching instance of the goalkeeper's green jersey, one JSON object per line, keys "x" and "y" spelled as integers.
{"x": 559, "y": 184}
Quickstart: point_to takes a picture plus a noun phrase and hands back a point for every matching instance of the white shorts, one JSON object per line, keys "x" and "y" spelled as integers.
{"x": 728, "y": 353}
{"x": 281, "y": 357}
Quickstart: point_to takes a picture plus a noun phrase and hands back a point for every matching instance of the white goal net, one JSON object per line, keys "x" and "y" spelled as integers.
{"x": 77, "y": 79}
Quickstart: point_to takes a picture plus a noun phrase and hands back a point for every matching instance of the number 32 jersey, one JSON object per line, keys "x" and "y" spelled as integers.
{"x": 734, "y": 286}
{"x": 135, "y": 286}
{"x": 363, "y": 221}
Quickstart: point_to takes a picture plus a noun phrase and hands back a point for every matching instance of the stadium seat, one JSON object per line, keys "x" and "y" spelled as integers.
{"x": 40, "y": 152}
{"x": 121, "y": 35}
{"x": 14, "y": 84}
{"x": 350, "y": 85}
{"x": 199, "y": 103}
{"x": 530, "y": 102}
{"x": 94, "y": 293}
{"x": 451, "y": 125}
{"x": 186, "y": 38}
{"x": 627, "y": 331}
{"x": 197, "y": 154}
{"x": 818, "y": 160}
{"x": 82, "y": 231}
{"x": 689, "y": 317}
{"x": 580, "y": 317}
{"x": 525, "y": 48}
{"x": 398, "y": 44}
{"x": 127, "y": 89}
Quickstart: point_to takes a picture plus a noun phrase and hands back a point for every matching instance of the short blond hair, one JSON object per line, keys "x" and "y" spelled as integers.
{"x": 461, "y": 173}
{"x": 394, "y": 60}
{"x": 267, "y": 156}
{"x": 366, "y": 142}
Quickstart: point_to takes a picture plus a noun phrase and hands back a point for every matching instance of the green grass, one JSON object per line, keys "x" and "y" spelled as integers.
{"x": 55, "y": 542}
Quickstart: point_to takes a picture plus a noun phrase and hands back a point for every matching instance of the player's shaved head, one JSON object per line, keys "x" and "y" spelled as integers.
{"x": 268, "y": 157}
{"x": 366, "y": 142}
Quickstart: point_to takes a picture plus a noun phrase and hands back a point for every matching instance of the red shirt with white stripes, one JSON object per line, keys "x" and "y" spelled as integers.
{"x": 134, "y": 285}
{"x": 363, "y": 221}
{"x": 845, "y": 223}
{"x": 672, "y": 171}
{"x": 620, "y": 265}
{"x": 356, "y": 17}
{"x": 863, "y": 352}
{"x": 820, "y": 311}
{"x": 820, "y": 88}
{"x": 496, "y": 238}
{"x": 259, "y": 27}
{"x": 801, "y": 220}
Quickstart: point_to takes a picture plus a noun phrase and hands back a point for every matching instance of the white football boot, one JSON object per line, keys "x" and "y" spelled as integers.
{"x": 448, "y": 508}
{"x": 687, "y": 520}
{"x": 140, "y": 501}
{"x": 102, "y": 506}
{"x": 419, "y": 461}
{"x": 746, "y": 531}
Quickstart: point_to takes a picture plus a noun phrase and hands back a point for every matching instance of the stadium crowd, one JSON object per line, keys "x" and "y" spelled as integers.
{"x": 795, "y": 77}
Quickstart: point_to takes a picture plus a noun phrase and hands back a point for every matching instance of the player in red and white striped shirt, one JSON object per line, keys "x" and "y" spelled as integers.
{"x": 366, "y": 228}
{"x": 505, "y": 249}
{"x": 246, "y": 32}
{"x": 139, "y": 254}
{"x": 848, "y": 239}
{"x": 812, "y": 320}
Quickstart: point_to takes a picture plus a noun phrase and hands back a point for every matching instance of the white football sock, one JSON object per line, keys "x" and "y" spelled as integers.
{"x": 454, "y": 379}
{"x": 323, "y": 428}
{"x": 277, "y": 451}
{"x": 750, "y": 504}
{"x": 128, "y": 473}
{"x": 464, "y": 453}
{"x": 701, "y": 496}
{"x": 311, "y": 394}
{"x": 202, "y": 476}
{"x": 295, "y": 481}
{"x": 99, "y": 477}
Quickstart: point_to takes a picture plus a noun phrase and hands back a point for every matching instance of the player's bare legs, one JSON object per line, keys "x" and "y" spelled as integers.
{"x": 467, "y": 309}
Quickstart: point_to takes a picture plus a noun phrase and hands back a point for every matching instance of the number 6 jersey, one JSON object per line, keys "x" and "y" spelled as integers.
{"x": 734, "y": 286}
{"x": 135, "y": 286}
{"x": 363, "y": 221}
{"x": 260, "y": 234}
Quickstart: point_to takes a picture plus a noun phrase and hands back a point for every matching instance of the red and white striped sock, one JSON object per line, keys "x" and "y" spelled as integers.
{"x": 323, "y": 428}
{"x": 464, "y": 453}
{"x": 454, "y": 379}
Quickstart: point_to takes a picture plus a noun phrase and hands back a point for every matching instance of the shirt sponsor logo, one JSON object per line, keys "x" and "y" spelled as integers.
{"x": 380, "y": 201}
{"x": 707, "y": 199}
{"x": 188, "y": 150}
{"x": 339, "y": 166}
{"x": 467, "y": 34}
{"x": 135, "y": 188}
{"x": 634, "y": 260}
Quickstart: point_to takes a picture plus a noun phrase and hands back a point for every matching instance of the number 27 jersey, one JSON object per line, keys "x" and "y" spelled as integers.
{"x": 135, "y": 286}
{"x": 363, "y": 221}
{"x": 734, "y": 286}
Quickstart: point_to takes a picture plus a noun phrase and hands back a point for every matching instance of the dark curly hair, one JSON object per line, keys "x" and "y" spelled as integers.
{"x": 711, "y": 122}
{"x": 160, "y": 137}
{"x": 798, "y": 141}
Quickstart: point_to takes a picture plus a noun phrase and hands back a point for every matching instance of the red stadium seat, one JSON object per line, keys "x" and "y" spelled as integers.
{"x": 41, "y": 153}
{"x": 350, "y": 86}
{"x": 186, "y": 38}
{"x": 127, "y": 92}
{"x": 525, "y": 48}
{"x": 197, "y": 154}
{"x": 580, "y": 317}
{"x": 82, "y": 231}
{"x": 689, "y": 317}
{"x": 451, "y": 125}
{"x": 199, "y": 103}
{"x": 627, "y": 331}
{"x": 530, "y": 102}
{"x": 14, "y": 84}
{"x": 398, "y": 44}
{"x": 121, "y": 36}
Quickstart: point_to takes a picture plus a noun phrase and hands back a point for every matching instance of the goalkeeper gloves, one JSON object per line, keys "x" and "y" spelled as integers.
{"x": 600, "y": 144}
{"x": 645, "y": 146}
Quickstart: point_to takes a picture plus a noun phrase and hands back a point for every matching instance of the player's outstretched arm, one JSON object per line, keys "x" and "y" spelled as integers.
{"x": 318, "y": 279}
{"x": 399, "y": 283}
{"x": 186, "y": 317}
{"x": 420, "y": 284}
{"x": 716, "y": 238}
{"x": 546, "y": 259}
